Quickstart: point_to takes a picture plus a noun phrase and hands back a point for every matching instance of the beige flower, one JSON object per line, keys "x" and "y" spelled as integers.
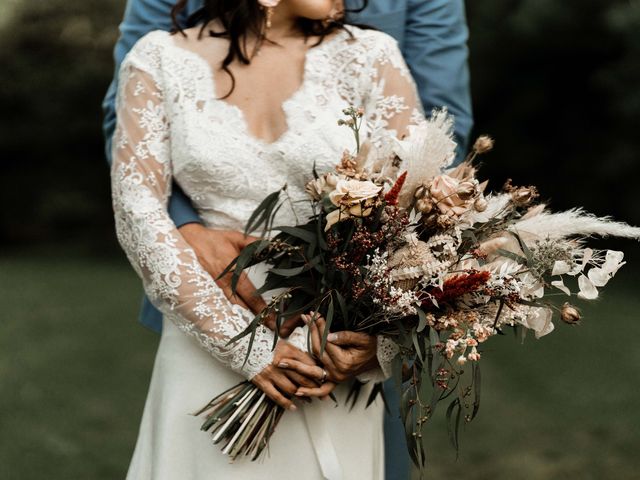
{"x": 354, "y": 198}
{"x": 353, "y": 192}
{"x": 318, "y": 187}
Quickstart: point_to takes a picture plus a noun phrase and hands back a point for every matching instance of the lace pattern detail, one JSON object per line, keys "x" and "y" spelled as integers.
{"x": 386, "y": 353}
{"x": 172, "y": 126}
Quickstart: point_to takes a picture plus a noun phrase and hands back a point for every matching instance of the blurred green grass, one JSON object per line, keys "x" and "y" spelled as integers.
{"x": 75, "y": 366}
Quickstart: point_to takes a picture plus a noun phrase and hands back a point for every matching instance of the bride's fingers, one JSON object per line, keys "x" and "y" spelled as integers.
{"x": 274, "y": 394}
{"x": 287, "y": 350}
{"x": 313, "y": 372}
{"x": 283, "y": 383}
{"x": 299, "y": 379}
{"x": 321, "y": 391}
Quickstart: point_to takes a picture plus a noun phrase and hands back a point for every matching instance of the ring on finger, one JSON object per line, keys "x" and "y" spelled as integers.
{"x": 324, "y": 377}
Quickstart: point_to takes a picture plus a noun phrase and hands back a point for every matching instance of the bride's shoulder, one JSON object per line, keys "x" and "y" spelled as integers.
{"x": 148, "y": 51}
{"x": 374, "y": 43}
{"x": 154, "y": 40}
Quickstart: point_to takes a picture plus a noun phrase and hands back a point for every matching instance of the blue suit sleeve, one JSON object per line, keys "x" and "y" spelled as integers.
{"x": 140, "y": 18}
{"x": 435, "y": 47}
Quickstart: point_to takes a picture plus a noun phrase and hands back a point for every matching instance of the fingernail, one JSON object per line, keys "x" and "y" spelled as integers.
{"x": 332, "y": 337}
{"x": 283, "y": 365}
{"x": 299, "y": 394}
{"x": 293, "y": 407}
{"x": 305, "y": 318}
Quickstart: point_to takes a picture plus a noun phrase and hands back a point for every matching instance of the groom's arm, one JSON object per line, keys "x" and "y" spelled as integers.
{"x": 140, "y": 18}
{"x": 435, "y": 47}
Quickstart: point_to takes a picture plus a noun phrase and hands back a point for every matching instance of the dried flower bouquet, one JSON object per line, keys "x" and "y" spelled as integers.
{"x": 403, "y": 246}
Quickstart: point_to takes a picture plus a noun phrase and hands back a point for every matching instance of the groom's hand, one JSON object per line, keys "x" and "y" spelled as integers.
{"x": 215, "y": 250}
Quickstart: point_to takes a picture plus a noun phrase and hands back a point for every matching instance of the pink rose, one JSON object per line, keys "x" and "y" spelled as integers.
{"x": 451, "y": 196}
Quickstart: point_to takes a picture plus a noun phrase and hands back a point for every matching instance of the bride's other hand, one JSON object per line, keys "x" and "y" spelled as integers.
{"x": 280, "y": 383}
{"x": 346, "y": 354}
{"x": 215, "y": 250}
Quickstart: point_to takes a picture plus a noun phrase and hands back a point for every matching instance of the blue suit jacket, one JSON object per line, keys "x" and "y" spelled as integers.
{"x": 433, "y": 37}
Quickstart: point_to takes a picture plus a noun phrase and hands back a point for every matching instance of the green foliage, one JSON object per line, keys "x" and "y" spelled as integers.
{"x": 556, "y": 84}
{"x": 56, "y": 65}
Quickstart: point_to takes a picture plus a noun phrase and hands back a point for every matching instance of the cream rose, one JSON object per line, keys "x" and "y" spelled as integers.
{"x": 354, "y": 198}
{"x": 353, "y": 192}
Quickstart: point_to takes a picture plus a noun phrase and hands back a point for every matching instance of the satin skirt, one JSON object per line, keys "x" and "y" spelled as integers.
{"x": 319, "y": 440}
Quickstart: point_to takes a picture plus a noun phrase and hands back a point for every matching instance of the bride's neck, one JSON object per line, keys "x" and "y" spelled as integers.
{"x": 283, "y": 24}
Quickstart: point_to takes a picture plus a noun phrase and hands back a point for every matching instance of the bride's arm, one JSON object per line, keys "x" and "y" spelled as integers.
{"x": 141, "y": 182}
{"x": 392, "y": 103}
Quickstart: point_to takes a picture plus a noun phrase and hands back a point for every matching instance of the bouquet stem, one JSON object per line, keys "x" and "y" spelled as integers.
{"x": 243, "y": 419}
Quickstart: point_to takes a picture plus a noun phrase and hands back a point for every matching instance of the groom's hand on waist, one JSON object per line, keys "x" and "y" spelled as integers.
{"x": 215, "y": 250}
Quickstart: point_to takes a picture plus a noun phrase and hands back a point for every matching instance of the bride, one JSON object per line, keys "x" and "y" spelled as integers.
{"x": 236, "y": 106}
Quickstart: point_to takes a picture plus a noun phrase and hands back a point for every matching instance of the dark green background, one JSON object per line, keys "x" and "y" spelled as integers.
{"x": 556, "y": 82}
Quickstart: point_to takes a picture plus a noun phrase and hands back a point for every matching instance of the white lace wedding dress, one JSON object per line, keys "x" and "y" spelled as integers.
{"x": 172, "y": 126}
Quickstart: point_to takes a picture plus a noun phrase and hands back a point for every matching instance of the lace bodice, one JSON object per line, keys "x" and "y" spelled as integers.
{"x": 173, "y": 126}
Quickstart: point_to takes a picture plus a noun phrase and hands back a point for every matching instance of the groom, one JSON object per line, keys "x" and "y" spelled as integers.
{"x": 432, "y": 35}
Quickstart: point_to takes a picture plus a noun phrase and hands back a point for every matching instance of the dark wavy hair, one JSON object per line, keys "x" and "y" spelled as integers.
{"x": 242, "y": 17}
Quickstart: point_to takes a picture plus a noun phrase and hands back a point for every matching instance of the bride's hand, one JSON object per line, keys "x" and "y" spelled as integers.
{"x": 280, "y": 383}
{"x": 215, "y": 250}
{"x": 346, "y": 355}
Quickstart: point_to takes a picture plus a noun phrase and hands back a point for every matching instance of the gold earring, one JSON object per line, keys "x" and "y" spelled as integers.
{"x": 268, "y": 17}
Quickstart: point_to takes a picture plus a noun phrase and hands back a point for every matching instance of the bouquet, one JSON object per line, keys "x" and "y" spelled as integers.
{"x": 402, "y": 246}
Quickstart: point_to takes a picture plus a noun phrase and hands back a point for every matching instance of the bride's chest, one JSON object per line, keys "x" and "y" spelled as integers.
{"x": 213, "y": 148}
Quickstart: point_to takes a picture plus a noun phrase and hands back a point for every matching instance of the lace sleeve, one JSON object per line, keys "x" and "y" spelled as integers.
{"x": 141, "y": 182}
{"x": 393, "y": 104}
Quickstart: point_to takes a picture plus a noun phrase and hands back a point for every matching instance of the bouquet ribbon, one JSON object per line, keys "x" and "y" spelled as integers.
{"x": 322, "y": 442}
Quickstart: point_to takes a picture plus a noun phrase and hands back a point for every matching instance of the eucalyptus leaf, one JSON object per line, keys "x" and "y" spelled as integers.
{"x": 298, "y": 232}
{"x": 262, "y": 211}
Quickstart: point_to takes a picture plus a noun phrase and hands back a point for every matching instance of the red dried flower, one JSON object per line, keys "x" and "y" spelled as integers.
{"x": 459, "y": 285}
{"x": 392, "y": 195}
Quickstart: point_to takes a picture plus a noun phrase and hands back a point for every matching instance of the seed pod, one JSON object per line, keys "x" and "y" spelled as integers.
{"x": 424, "y": 206}
{"x": 483, "y": 144}
{"x": 481, "y": 204}
{"x": 570, "y": 314}
{"x": 421, "y": 191}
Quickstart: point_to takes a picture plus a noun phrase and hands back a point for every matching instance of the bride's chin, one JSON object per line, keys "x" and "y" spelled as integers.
{"x": 311, "y": 9}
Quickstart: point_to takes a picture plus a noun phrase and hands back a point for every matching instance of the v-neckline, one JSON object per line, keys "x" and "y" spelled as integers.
{"x": 239, "y": 113}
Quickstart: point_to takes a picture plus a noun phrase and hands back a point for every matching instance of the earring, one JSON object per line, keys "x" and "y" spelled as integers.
{"x": 268, "y": 17}
{"x": 268, "y": 6}
{"x": 336, "y": 14}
